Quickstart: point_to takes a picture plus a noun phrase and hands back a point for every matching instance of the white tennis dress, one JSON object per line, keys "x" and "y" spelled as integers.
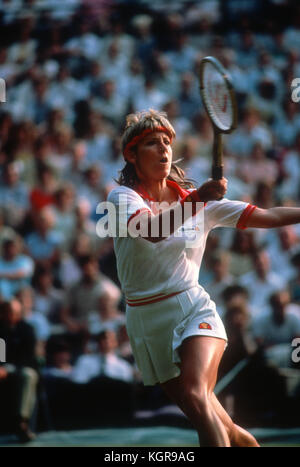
{"x": 165, "y": 303}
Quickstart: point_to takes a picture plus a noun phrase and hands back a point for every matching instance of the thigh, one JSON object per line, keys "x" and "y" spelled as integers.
{"x": 200, "y": 358}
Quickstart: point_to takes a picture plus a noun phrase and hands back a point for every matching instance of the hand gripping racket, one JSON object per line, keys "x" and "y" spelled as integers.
{"x": 218, "y": 97}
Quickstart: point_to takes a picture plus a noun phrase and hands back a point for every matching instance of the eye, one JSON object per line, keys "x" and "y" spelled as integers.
{"x": 150, "y": 142}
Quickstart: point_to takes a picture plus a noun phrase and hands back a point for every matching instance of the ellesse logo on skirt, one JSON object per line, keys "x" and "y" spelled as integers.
{"x": 204, "y": 326}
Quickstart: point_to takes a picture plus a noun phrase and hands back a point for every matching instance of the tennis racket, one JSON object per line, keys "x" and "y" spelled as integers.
{"x": 218, "y": 97}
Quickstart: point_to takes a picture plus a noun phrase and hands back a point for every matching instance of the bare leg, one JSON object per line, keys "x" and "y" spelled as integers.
{"x": 192, "y": 390}
{"x": 238, "y": 436}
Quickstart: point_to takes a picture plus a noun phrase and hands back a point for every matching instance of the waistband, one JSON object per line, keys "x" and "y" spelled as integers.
{"x": 150, "y": 299}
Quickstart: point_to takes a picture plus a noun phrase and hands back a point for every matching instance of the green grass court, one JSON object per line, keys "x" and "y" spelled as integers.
{"x": 154, "y": 436}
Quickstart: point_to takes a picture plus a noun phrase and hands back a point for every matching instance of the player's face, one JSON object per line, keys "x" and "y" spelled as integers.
{"x": 153, "y": 156}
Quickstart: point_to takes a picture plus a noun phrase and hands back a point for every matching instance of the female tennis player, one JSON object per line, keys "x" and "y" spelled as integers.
{"x": 176, "y": 334}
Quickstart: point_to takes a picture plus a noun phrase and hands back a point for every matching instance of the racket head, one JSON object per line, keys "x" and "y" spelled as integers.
{"x": 218, "y": 95}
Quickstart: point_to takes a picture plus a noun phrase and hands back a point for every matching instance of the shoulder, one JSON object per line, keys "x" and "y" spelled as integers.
{"x": 115, "y": 193}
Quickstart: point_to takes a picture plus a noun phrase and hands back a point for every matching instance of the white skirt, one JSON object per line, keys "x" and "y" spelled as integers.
{"x": 156, "y": 331}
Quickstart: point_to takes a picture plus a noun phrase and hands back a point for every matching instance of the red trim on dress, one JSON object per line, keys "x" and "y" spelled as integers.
{"x": 242, "y": 222}
{"x": 149, "y": 300}
{"x": 182, "y": 192}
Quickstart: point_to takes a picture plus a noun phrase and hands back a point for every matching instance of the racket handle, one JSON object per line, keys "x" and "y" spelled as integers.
{"x": 217, "y": 172}
{"x": 217, "y": 166}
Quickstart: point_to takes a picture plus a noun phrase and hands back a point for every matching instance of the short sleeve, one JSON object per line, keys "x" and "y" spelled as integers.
{"x": 225, "y": 213}
{"x": 128, "y": 204}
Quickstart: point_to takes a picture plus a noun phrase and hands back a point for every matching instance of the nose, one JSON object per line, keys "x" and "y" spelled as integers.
{"x": 162, "y": 146}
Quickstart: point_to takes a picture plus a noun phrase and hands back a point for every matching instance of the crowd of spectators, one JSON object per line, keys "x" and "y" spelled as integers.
{"x": 73, "y": 71}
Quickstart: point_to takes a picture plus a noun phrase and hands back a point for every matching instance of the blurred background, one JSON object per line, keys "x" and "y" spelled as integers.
{"x": 73, "y": 70}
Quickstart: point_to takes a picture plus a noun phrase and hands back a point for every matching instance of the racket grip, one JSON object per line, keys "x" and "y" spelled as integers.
{"x": 217, "y": 172}
{"x": 217, "y": 165}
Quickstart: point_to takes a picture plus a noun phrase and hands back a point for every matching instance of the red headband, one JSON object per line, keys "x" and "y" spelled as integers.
{"x": 142, "y": 135}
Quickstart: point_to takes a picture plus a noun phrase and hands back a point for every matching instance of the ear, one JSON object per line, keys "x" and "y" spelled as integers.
{"x": 131, "y": 156}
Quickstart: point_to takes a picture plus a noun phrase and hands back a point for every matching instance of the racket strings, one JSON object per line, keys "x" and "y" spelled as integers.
{"x": 217, "y": 98}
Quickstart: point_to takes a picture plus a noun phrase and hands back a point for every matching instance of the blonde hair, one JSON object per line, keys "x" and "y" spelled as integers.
{"x": 137, "y": 124}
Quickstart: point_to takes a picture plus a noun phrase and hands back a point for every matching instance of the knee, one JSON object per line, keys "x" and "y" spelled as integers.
{"x": 197, "y": 399}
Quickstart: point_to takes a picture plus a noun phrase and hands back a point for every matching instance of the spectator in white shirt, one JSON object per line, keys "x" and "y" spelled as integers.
{"x": 117, "y": 37}
{"x": 23, "y": 51}
{"x": 258, "y": 167}
{"x": 65, "y": 219}
{"x": 85, "y": 43}
{"x": 107, "y": 316}
{"x": 104, "y": 362}
{"x": 262, "y": 282}
{"x": 166, "y": 79}
{"x": 14, "y": 195}
{"x": 183, "y": 58}
{"x": 37, "y": 320}
{"x": 47, "y": 299}
{"x": 8, "y": 70}
{"x": 149, "y": 97}
{"x": 59, "y": 360}
{"x": 287, "y": 124}
{"x": 276, "y": 329}
{"x": 65, "y": 90}
{"x": 16, "y": 269}
{"x": 291, "y": 169}
{"x": 111, "y": 105}
{"x": 44, "y": 242}
{"x": 282, "y": 249}
{"x": 251, "y": 130}
{"x": 115, "y": 62}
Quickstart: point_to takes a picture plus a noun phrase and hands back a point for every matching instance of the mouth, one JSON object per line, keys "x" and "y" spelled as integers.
{"x": 164, "y": 160}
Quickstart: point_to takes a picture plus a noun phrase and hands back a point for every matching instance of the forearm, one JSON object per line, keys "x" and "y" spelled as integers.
{"x": 286, "y": 216}
{"x": 274, "y": 217}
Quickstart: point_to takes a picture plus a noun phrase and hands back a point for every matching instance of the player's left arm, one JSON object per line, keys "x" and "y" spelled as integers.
{"x": 273, "y": 217}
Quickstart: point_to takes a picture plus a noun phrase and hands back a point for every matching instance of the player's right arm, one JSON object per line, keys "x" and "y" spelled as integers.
{"x": 274, "y": 217}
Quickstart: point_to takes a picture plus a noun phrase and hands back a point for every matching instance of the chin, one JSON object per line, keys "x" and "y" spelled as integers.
{"x": 160, "y": 173}
{"x": 165, "y": 171}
